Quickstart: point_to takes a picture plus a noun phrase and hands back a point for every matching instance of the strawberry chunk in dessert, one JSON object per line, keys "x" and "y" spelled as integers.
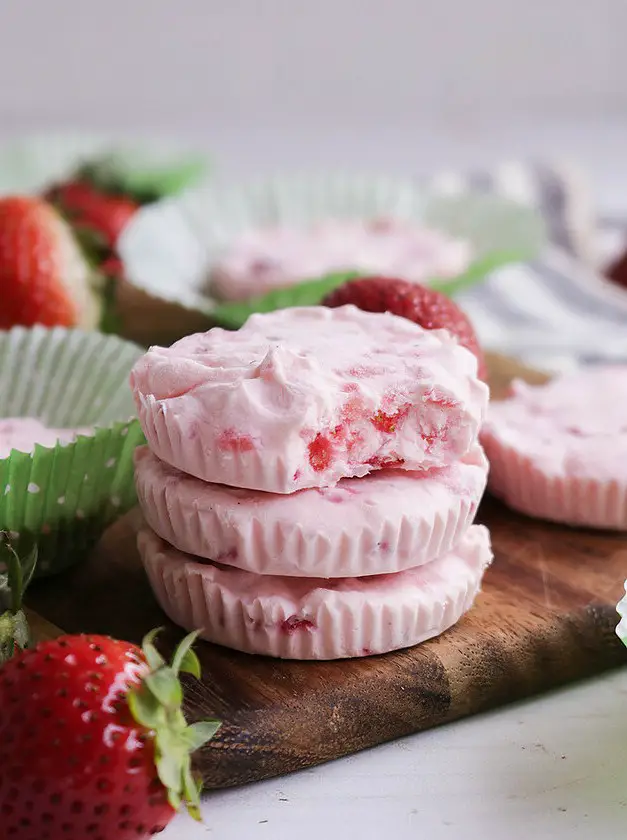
{"x": 305, "y": 397}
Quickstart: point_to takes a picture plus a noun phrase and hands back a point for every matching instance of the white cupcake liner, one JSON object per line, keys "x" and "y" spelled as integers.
{"x": 571, "y": 500}
{"x": 170, "y": 249}
{"x": 274, "y": 472}
{"x": 306, "y": 618}
{"x": 383, "y": 523}
{"x": 171, "y": 443}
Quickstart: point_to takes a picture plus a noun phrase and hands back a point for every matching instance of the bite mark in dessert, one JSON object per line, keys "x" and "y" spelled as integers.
{"x": 388, "y": 422}
{"x": 392, "y": 462}
{"x": 261, "y": 421}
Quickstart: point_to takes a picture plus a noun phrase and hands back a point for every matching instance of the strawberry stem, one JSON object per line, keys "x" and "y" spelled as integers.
{"x": 14, "y": 580}
{"x": 185, "y": 659}
{"x": 158, "y": 705}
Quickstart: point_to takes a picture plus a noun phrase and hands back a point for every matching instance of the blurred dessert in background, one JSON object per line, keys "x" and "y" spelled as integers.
{"x": 271, "y": 258}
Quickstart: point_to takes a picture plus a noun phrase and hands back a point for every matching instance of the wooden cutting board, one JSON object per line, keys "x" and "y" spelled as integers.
{"x": 546, "y": 617}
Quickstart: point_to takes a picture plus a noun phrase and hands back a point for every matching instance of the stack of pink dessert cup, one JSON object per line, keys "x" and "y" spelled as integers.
{"x": 310, "y": 482}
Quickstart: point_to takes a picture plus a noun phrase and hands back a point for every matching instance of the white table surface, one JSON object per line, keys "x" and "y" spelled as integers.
{"x": 547, "y": 768}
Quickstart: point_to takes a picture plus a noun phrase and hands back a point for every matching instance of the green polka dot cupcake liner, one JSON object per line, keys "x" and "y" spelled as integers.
{"x": 64, "y": 496}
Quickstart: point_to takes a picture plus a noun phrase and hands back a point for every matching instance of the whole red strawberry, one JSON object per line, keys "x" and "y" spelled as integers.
{"x": 427, "y": 307}
{"x": 93, "y": 742}
{"x": 44, "y": 278}
{"x": 91, "y": 209}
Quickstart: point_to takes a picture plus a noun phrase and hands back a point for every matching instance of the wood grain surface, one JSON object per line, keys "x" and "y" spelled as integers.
{"x": 546, "y": 617}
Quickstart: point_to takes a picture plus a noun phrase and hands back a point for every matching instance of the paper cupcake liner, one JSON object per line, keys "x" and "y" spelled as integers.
{"x": 251, "y": 469}
{"x": 386, "y": 522}
{"x": 170, "y": 249}
{"x": 307, "y": 618}
{"x": 202, "y": 458}
{"x": 571, "y": 500}
{"x": 66, "y": 495}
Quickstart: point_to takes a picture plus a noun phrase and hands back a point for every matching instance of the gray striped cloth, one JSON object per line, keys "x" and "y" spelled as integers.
{"x": 559, "y": 311}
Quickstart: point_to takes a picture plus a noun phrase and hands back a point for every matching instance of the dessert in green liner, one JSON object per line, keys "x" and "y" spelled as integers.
{"x": 64, "y": 494}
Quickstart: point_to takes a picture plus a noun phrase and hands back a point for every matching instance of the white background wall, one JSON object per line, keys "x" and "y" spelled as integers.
{"x": 157, "y": 60}
{"x": 275, "y": 82}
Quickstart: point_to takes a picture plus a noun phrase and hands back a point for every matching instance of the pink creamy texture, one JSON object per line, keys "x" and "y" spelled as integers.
{"x": 23, "y": 433}
{"x": 385, "y": 522}
{"x": 575, "y": 425}
{"x": 304, "y": 397}
{"x": 308, "y": 618}
{"x": 270, "y": 258}
{"x": 559, "y": 451}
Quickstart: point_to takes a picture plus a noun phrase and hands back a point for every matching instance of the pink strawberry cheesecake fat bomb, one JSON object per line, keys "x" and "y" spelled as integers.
{"x": 307, "y": 618}
{"x": 305, "y": 397}
{"x": 559, "y": 451}
{"x": 24, "y": 433}
{"x": 388, "y": 521}
{"x": 271, "y": 258}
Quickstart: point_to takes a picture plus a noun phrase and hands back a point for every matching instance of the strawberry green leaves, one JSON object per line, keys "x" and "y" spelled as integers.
{"x": 185, "y": 659}
{"x": 14, "y": 580}
{"x": 197, "y": 734}
{"x": 153, "y": 657}
{"x": 165, "y": 687}
{"x": 157, "y": 705}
